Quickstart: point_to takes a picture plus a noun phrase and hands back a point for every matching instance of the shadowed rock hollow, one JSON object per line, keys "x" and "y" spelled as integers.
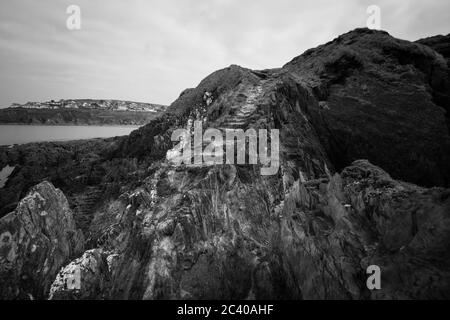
{"x": 310, "y": 230}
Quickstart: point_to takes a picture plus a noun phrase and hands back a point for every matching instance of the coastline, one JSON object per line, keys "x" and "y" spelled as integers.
{"x": 69, "y": 125}
{"x": 11, "y": 135}
{"x": 75, "y": 117}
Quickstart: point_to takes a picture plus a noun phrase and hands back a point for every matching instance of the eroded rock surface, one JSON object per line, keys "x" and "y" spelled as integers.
{"x": 222, "y": 234}
{"x": 334, "y": 230}
{"x": 83, "y": 278}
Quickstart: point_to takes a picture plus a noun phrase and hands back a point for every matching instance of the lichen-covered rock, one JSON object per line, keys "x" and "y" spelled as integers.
{"x": 36, "y": 239}
{"x": 84, "y": 278}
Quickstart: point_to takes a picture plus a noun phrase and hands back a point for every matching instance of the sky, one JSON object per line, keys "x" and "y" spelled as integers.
{"x": 151, "y": 50}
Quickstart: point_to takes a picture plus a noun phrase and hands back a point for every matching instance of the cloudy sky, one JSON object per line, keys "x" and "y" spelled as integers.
{"x": 150, "y": 50}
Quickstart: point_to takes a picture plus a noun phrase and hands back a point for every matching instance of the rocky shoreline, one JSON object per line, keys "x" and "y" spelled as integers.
{"x": 94, "y": 117}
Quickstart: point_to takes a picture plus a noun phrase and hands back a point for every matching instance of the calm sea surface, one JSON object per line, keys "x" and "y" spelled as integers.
{"x": 17, "y": 134}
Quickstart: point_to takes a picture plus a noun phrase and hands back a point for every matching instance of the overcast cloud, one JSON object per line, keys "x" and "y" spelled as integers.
{"x": 148, "y": 50}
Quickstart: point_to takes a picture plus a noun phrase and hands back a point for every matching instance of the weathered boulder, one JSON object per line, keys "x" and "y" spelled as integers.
{"x": 36, "y": 240}
{"x": 84, "y": 278}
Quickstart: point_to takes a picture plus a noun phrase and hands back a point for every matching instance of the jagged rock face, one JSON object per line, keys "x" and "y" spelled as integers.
{"x": 228, "y": 233}
{"x": 70, "y": 166}
{"x": 153, "y": 140}
{"x": 381, "y": 99}
{"x": 334, "y": 230}
{"x": 218, "y": 83}
{"x": 365, "y": 94}
{"x": 202, "y": 240}
{"x": 37, "y": 239}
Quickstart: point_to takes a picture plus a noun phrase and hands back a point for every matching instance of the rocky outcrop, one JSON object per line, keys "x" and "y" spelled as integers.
{"x": 310, "y": 230}
{"x": 226, "y": 232}
{"x": 37, "y": 239}
{"x": 88, "y": 172}
{"x": 382, "y": 99}
{"x": 221, "y": 233}
{"x": 335, "y": 229}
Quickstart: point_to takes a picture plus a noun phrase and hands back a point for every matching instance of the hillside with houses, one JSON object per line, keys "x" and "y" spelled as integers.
{"x": 81, "y": 112}
{"x": 117, "y": 105}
